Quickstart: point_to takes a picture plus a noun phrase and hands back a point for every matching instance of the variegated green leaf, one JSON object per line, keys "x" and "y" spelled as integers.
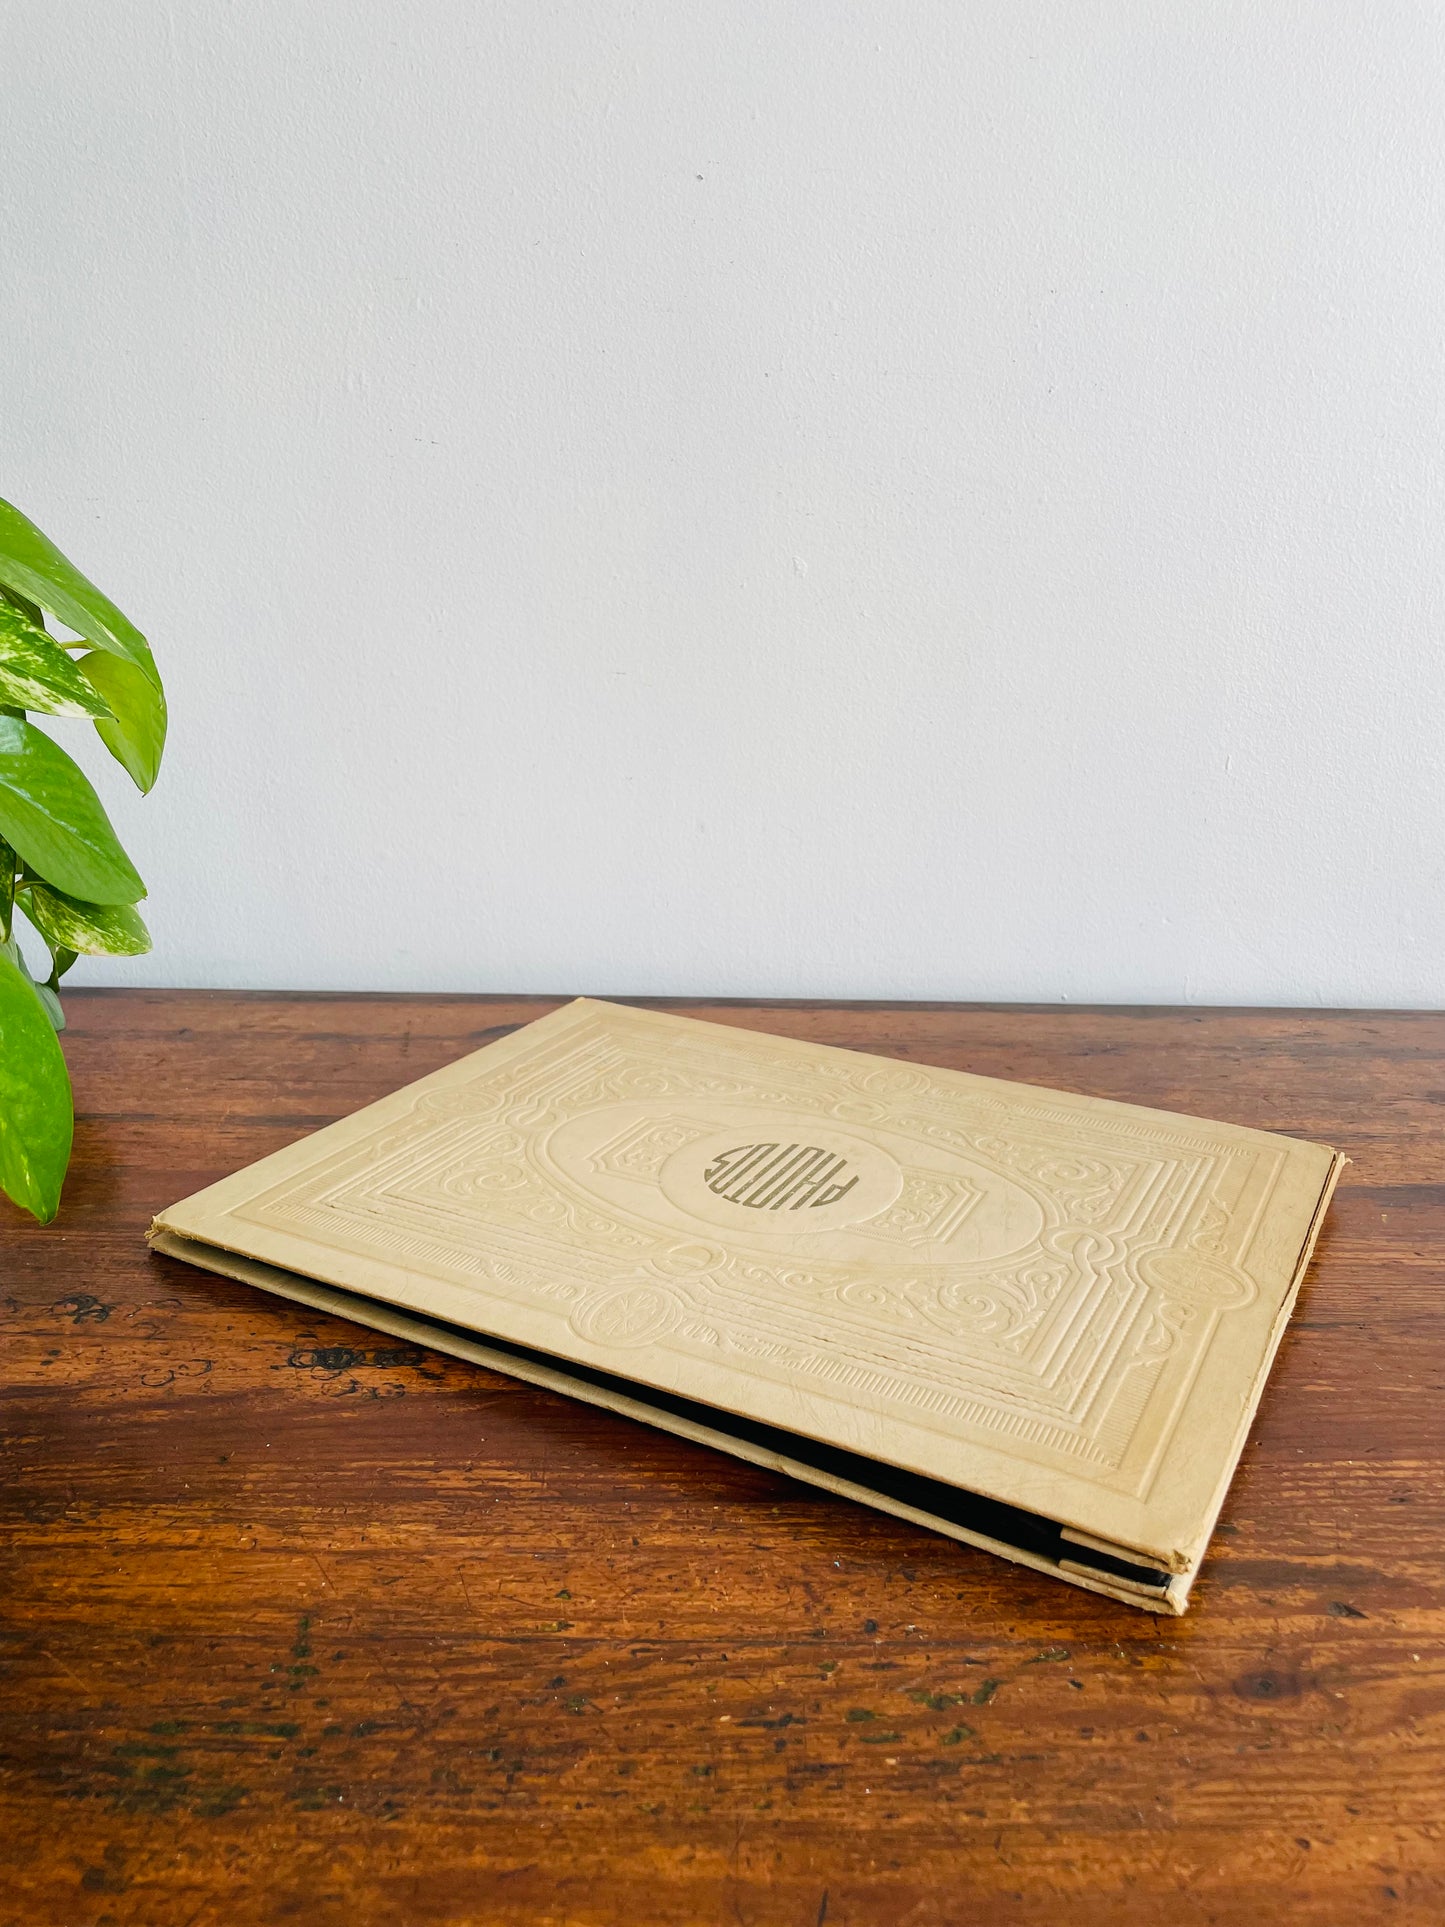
{"x": 47, "y": 989}
{"x": 50, "y": 1003}
{"x": 23, "y": 603}
{"x": 55, "y": 822}
{"x": 36, "y": 673}
{"x": 88, "y": 929}
{"x": 31, "y": 563}
{"x": 36, "y": 1118}
{"x": 60, "y": 962}
{"x": 135, "y": 730}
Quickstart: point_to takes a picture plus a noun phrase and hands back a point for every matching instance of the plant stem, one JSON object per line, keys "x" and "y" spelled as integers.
{"x": 7, "y": 890}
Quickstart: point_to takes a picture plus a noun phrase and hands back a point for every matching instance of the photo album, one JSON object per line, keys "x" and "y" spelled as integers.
{"x": 1038, "y": 1322}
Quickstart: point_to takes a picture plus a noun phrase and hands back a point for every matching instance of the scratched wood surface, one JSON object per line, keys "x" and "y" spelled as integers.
{"x": 297, "y": 1624}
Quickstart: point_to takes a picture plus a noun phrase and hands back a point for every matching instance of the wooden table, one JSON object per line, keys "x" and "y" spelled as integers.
{"x": 302, "y": 1625}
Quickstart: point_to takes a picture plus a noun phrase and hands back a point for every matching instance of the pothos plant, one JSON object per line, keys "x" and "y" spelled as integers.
{"x": 61, "y": 863}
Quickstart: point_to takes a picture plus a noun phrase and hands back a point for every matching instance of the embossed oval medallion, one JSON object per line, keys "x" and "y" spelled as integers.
{"x": 632, "y": 1317}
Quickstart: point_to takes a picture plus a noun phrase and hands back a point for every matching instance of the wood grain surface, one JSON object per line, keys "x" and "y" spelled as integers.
{"x": 301, "y": 1625}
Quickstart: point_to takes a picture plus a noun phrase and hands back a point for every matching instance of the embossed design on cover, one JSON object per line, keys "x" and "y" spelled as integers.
{"x": 978, "y": 1264}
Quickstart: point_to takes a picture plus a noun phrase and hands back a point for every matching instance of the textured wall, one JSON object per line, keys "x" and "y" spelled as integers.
{"x": 895, "y": 499}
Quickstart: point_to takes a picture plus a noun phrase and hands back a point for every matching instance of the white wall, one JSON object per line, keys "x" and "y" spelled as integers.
{"x": 895, "y": 499}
